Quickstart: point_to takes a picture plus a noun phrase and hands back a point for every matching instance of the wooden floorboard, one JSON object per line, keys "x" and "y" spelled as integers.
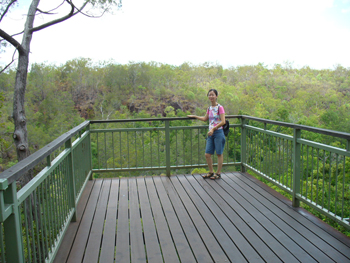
{"x": 186, "y": 218}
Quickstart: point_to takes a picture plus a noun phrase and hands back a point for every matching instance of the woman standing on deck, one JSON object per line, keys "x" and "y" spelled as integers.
{"x": 216, "y": 138}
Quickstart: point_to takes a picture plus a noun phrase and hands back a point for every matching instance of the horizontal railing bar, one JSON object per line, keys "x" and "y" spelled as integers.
{"x": 127, "y": 129}
{"x": 324, "y": 211}
{"x": 15, "y": 172}
{"x": 155, "y": 128}
{"x": 159, "y": 167}
{"x": 156, "y": 119}
{"x": 325, "y": 147}
{"x": 280, "y": 135}
{"x": 343, "y": 135}
{"x": 285, "y": 188}
{"x": 26, "y": 190}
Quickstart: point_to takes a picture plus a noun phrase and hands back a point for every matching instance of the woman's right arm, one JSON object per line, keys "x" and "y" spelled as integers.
{"x": 204, "y": 118}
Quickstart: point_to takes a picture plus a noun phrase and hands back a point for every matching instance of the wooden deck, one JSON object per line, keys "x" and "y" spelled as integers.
{"x": 188, "y": 219}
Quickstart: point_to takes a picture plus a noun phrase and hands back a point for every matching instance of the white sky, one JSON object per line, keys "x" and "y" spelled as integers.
{"x": 313, "y": 33}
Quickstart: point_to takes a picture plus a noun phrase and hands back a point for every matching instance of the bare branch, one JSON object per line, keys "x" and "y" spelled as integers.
{"x": 50, "y": 11}
{"x": 7, "y": 9}
{"x": 71, "y": 14}
{"x": 13, "y": 60}
{"x": 12, "y": 41}
{"x": 45, "y": 12}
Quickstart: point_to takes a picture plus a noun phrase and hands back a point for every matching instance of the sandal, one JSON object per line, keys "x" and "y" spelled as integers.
{"x": 208, "y": 175}
{"x": 215, "y": 176}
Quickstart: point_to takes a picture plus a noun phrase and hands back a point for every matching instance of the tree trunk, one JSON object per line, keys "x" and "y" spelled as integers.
{"x": 20, "y": 133}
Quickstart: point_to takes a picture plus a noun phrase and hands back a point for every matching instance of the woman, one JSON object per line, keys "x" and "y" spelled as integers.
{"x": 216, "y": 138}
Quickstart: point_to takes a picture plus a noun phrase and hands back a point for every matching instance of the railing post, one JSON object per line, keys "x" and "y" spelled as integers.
{"x": 12, "y": 225}
{"x": 167, "y": 148}
{"x": 243, "y": 145}
{"x": 71, "y": 178}
{"x": 90, "y": 150}
{"x": 296, "y": 167}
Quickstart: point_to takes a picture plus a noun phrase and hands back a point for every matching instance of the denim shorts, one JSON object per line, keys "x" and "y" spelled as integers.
{"x": 216, "y": 142}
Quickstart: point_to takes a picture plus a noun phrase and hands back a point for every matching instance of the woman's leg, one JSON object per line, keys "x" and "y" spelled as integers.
{"x": 220, "y": 162}
{"x": 209, "y": 162}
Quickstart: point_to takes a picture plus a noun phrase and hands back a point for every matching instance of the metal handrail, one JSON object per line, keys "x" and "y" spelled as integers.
{"x": 290, "y": 161}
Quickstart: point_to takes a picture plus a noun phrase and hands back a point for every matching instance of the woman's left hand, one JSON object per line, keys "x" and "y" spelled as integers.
{"x": 211, "y": 132}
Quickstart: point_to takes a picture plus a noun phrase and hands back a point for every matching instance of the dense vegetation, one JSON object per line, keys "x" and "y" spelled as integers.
{"x": 60, "y": 97}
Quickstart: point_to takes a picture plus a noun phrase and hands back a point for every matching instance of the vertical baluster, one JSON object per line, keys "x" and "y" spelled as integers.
{"x": 136, "y": 163}
{"x": 183, "y": 147}
{"x": 98, "y": 151}
{"x": 302, "y": 170}
{"x": 307, "y": 172}
{"x": 151, "y": 140}
{"x": 323, "y": 176}
{"x": 37, "y": 222}
{"x": 336, "y": 184}
{"x": 51, "y": 212}
{"x": 234, "y": 145}
{"x": 34, "y": 249}
{"x": 198, "y": 135}
{"x": 143, "y": 149}
{"x": 343, "y": 193}
{"x": 243, "y": 145}
{"x": 105, "y": 151}
{"x": 29, "y": 250}
{"x": 167, "y": 149}
{"x": 296, "y": 168}
{"x": 127, "y": 144}
{"x": 317, "y": 175}
{"x": 191, "y": 146}
{"x": 283, "y": 161}
{"x": 176, "y": 157}
{"x": 2, "y": 244}
{"x": 312, "y": 172}
{"x": 44, "y": 223}
{"x": 330, "y": 181}
{"x": 120, "y": 149}
{"x": 158, "y": 150}
{"x": 113, "y": 150}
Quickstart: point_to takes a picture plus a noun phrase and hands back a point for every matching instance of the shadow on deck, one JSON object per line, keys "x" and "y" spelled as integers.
{"x": 188, "y": 219}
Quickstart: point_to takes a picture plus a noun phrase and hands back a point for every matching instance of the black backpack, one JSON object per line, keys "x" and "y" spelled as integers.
{"x": 226, "y": 127}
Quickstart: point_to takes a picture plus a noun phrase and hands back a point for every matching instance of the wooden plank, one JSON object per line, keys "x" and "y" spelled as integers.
{"x": 333, "y": 237}
{"x": 207, "y": 236}
{"x": 288, "y": 220}
{"x": 92, "y": 251}
{"x": 215, "y": 218}
{"x": 68, "y": 239}
{"x": 189, "y": 228}
{"x": 178, "y": 235}
{"x": 78, "y": 249}
{"x": 150, "y": 233}
{"x": 122, "y": 254}
{"x": 291, "y": 227}
{"x": 136, "y": 236}
{"x": 165, "y": 240}
{"x": 250, "y": 238}
{"x": 109, "y": 232}
{"x": 284, "y": 240}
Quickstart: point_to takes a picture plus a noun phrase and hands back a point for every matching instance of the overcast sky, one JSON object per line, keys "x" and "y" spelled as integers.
{"x": 313, "y": 33}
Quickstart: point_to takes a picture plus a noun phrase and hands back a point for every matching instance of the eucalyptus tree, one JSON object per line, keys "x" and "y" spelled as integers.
{"x": 64, "y": 10}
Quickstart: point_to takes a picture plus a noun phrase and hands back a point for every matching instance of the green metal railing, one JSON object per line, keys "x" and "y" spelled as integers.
{"x": 34, "y": 218}
{"x": 125, "y": 149}
{"x": 301, "y": 160}
{"x": 315, "y": 173}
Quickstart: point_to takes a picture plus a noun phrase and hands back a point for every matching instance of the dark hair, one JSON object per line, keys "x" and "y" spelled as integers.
{"x": 214, "y": 90}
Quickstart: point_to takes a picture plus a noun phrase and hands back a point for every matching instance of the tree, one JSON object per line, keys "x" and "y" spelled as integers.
{"x": 23, "y": 50}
